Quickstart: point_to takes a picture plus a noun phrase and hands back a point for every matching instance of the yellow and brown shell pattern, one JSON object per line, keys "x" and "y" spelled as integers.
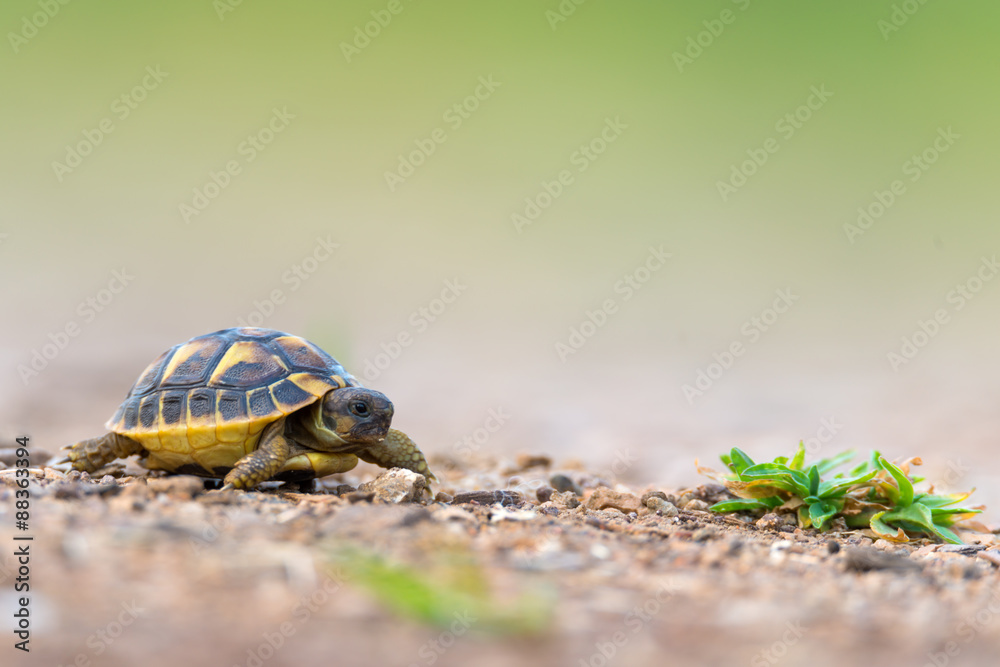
{"x": 206, "y": 401}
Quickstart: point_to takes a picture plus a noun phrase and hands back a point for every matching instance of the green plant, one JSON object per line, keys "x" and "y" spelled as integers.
{"x": 452, "y": 585}
{"x": 877, "y": 494}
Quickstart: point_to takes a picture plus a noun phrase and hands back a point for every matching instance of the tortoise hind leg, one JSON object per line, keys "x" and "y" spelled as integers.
{"x": 90, "y": 455}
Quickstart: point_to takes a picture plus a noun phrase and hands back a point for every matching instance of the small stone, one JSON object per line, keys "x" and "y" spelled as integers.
{"x": 832, "y": 547}
{"x": 343, "y": 489}
{"x": 770, "y": 521}
{"x": 183, "y": 486}
{"x": 652, "y": 494}
{"x": 661, "y": 506}
{"x": 525, "y": 461}
{"x": 990, "y": 555}
{"x": 705, "y": 534}
{"x": 697, "y": 505}
{"x": 604, "y": 498}
{"x": 544, "y": 494}
{"x": 107, "y": 479}
{"x": 489, "y": 498}
{"x": 565, "y": 500}
{"x": 397, "y": 485}
{"x": 564, "y": 484}
{"x": 865, "y": 559}
{"x": 360, "y": 496}
{"x": 443, "y": 497}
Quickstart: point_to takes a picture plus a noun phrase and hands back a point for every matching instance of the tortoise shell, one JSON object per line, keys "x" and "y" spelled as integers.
{"x": 206, "y": 401}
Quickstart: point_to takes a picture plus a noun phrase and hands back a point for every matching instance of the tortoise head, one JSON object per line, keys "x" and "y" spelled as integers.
{"x": 356, "y": 415}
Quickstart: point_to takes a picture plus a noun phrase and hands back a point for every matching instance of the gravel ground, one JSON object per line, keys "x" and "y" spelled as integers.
{"x": 131, "y": 568}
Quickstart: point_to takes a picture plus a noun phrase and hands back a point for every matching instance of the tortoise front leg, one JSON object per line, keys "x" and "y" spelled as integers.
{"x": 262, "y": 463}
{"x": 90, "y": 455}
{"x": 397, "y": 451}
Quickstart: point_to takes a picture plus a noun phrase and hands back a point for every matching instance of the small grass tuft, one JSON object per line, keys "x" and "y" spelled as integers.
{"x": 877, "y": 494}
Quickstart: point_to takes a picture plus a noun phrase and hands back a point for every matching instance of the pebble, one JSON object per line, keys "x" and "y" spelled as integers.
{"x": 771, "y": 521}
{"x": 604, "y": 498}
{"x": 990, "y": 555}
{"x": 489, "y": 497}
{"x": 696, "y": 505}
{"x": 443, "y": 497}
{"x": 661, "y": 506}
{"x": 396, "y": 486}
{"x": 525, "y": 461}
{"x": 544, "y": 494}
{"x": 644, "y": 499}
{"x": 564, "y": 484}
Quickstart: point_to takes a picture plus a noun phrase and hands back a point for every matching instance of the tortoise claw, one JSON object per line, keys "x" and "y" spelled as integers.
{"x": 227, "y": 487}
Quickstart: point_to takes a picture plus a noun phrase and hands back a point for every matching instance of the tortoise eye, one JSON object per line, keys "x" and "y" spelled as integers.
{"x": 359, "y": 408}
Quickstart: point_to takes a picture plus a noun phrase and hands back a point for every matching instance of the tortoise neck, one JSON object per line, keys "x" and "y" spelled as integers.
{"x": 324, "y": 439}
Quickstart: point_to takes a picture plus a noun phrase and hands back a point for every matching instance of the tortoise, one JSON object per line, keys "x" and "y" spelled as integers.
{"x": 249, "y": 405}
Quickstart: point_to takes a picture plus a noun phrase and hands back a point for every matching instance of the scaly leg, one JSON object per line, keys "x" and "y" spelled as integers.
{"x": 261, "y": 464}
{"x": 90, "y": 455}
{"x": 398, "y": 451}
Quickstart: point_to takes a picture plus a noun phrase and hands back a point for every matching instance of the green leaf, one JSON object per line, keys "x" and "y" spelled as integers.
{"x": 918, "y": 518}
{"x": 821, "y": 512}
{"x": 838, "y": 487}
{"x": 826, "y": 465}
{"x": 934, "y": 501}
{"x": 740, "y": 461}
{"x": 778, "y": 472}
{"x": 744, "y": 504}
{"x": 813, "y": 481}
{"x": 883, "y": 529}
{"x": 799, "y": 458}
{"x": 904, "y": 484}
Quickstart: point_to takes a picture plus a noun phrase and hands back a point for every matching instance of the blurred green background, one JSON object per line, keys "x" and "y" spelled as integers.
{"x": 687, "y": 91}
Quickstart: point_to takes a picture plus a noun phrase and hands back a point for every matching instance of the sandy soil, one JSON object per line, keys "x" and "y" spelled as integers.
{"x": 129, "y": 568}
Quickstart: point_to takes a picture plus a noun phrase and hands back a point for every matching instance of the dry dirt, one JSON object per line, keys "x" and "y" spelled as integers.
{"x": 133, "y": 569}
